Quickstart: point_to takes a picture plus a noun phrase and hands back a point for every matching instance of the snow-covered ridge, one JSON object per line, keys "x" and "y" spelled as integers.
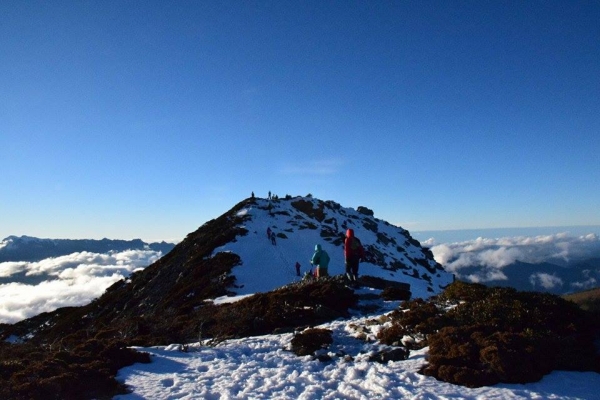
{"x": 300, "y": 223}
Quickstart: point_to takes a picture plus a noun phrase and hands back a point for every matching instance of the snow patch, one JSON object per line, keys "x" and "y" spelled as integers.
{"x": 229, "y": 299}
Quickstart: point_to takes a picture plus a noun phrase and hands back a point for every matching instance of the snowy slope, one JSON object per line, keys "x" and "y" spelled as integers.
{"x": 262, "y": 368}
{"x": 266, "y": 266}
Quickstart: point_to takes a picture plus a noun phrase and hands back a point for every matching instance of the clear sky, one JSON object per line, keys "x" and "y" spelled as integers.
{"x": 129, "y": 119}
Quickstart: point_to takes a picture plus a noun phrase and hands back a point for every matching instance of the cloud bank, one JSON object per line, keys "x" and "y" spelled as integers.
{"x": 546, "y": 281}
{"x": 560, "y": 249}
{"x": 71, "y": 280}
{"x": 483, "y": 260}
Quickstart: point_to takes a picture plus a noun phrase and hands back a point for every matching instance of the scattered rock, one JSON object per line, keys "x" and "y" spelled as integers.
{"x": 384, "y": 356}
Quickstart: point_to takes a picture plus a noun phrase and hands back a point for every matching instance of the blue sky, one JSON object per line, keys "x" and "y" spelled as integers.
{"x": 126, "y": 119}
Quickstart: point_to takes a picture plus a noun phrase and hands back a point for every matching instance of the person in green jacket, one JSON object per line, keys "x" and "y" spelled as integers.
{"x": 321, "y": 261}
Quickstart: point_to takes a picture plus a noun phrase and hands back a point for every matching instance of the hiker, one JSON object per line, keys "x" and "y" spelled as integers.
{"x": 297, "y": 268}
{"x": 269, "y": 232}
{"x": 252, "y": 196}
{"x": 269, "y": 195}
{"x": 321, "y": 261}
{"x": 273, "y": 238}
{"x": 353, "y": 254}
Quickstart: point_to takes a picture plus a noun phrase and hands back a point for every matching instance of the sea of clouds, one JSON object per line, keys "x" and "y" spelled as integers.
{"x": 492, "y": 255}
{"x": 72, "y": 280}
{"x": 560, "y": 248}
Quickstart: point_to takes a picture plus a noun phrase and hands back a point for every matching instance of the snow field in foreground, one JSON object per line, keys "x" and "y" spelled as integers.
{"x": 261, "y": 368}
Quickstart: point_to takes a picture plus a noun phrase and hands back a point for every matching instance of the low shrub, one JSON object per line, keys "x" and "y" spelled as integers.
{"x": 416, "y": 318}
{"x": 88, "y": 370}
{"x": 311, "y": 340}
{"x": 302, "y": 304}
{"x": 482, "y": 336}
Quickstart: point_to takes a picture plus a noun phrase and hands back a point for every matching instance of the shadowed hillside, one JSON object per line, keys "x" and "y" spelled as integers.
{"x": 587, "y": 300}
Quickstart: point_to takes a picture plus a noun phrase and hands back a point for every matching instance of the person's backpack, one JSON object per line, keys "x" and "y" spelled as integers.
{"x": 324, "y": 261}
{"x": 357, "y": 249}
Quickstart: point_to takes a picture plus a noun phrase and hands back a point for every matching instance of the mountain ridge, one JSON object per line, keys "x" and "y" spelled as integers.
{"x": 32, "y": 249}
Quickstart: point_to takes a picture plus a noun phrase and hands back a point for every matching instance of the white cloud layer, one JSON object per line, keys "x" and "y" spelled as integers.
{"x": 483, "y": 260}
{"x": 72, "y": 280}
{"x": 498, "y": 253}
{"x": 546, "y": 281}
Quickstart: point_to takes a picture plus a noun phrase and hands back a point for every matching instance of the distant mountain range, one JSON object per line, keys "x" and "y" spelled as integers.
{"x": 27, "y": 248}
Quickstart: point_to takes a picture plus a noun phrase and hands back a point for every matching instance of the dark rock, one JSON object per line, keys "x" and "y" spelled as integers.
{"x": 380, "y": 283}
{"x": 395, "y": 293}
{"x": 365, "y": 211}
{"x": 306, "y": 207}
{"x": 399, "y": 354}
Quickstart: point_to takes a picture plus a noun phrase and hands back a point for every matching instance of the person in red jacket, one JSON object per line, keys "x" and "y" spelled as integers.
{"x": 353, "y": 254}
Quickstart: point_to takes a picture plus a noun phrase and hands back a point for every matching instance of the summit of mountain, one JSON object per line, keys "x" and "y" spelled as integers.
{"x": 231, "y": 255}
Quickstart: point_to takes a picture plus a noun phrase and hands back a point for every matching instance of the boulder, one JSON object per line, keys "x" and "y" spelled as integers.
{"x": 365, "y": 211}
